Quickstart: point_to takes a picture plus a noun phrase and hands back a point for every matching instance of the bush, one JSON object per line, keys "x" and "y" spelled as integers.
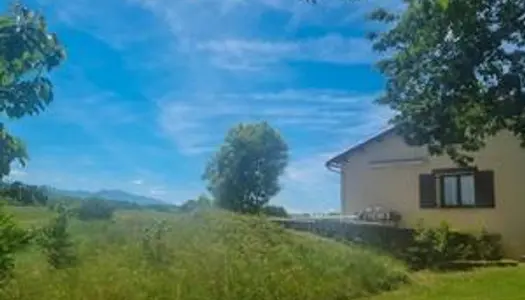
{"x": 275, "y": 211}
{"x": 56, "y": 242}
{"x": 420, "y": 248}
{"x": 167, "y": 208}
{"x": 438, "y": 247}
{"x": 12, "y": 240}
{"x": 202, "y": 202}
{"x": 432, "y": 247}
{"x": 154, "y": 244}
{"x": 488, "y": 246}
{"x": 95, "y": 209}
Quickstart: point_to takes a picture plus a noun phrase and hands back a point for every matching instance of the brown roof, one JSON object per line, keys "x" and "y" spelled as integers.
{"x": 335, "y": 162}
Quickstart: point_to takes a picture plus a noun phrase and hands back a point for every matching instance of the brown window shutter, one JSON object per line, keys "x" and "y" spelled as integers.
{"x": 427, "y": 191}
{"x": 484, "y": 184}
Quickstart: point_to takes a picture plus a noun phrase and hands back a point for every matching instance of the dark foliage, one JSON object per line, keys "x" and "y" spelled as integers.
{"x": 95, "y": 209}
{"x": 161, "y": 207}
{"x": 438, "y": 247}
{"x": 203, "y": 202}
{"x": 275, "y": 211}
{"x": 12, "y": 239}
{"x": 455, "y": 72}
{"x": 424, "y": 247}
{"x": 244, "y": 174}
{"x": 154, "y": 245}
{"x": 24, "y": 194}
{"x": 56, "y": 241}
{"x": 28, "y": 52}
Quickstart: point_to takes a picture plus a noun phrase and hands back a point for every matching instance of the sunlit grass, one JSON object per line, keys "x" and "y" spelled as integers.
{"x": 482, "y": 284}
{"x": 29, "y": 216}
{"x": 213, "y": 255}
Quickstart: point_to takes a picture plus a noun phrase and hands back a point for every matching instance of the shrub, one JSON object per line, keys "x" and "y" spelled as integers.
{"x": 56, "y": 241}
{"x": 275, "y": 211}
{"x": 12, "y": 240}
{"x": 95, "y": 209}
{"x": 439, "y": 247}
{"x": 189, "y": 206}
{"x": 154, "y": 244}
{"x": 168, "y": 208}
{"x": 423, "y": 247}
{"x": 202, "y": 202}
{"x": 431, "y": 247}
{"x": 488, "y": 246}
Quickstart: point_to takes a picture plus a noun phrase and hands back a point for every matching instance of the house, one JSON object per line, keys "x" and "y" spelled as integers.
{"x": 384, "y": 171}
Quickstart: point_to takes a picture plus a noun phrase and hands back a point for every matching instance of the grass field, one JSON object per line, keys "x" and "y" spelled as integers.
{"x": 482, "y": 284}
{"x": 210, "y": 255}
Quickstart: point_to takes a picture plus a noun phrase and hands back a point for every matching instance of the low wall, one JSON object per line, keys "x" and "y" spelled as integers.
{"x": 390, "y": 238}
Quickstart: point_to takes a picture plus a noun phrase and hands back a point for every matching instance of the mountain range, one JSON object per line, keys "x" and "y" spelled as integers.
{"x": 111, "y": 195}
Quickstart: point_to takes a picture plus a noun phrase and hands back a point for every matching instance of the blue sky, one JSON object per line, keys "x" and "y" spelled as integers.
{"x": 150, "y": 87}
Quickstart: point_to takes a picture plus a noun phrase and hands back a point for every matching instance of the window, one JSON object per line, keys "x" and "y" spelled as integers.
{"x": 457, "y": 190}
{"x": 449, "y": 188}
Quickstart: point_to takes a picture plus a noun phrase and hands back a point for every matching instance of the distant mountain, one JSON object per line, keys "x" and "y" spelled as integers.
{"x": 111, "y": 195}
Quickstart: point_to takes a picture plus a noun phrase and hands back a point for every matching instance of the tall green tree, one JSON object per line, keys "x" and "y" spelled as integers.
{"x": 455, "y": 72}
{"x": 244, "y": 174}
{"x": 28, "y": 52}
{"x": 13, "y": 239}
{"x": 56, "y": 241}
{"x": 24, "y": 194}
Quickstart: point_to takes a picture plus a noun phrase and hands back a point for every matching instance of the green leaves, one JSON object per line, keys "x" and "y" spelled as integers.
{"x": 244, "y": 174}
{"x": 28, "y": 52}
{"x": 12, "y": 239}
{"x": 56, "y": 241}
{"x": 11, "y": 149}
{"x": 443, "y": 3}
{"x": 454, "y": 73}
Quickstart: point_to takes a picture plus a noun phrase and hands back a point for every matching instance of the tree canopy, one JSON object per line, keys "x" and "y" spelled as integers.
{"x": 202, "y": 202}
{"x": 28, "y": 52}
{"x": 24, "y": 194}
{"x": 244, "y": 174}
{"x": 455, "y": 72}
{"x": 275, "y": 211}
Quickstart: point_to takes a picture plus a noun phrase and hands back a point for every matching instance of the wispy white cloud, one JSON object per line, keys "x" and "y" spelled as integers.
{"x": 196, "y": 43}
{"x": 197, "y": 126}
{"x": 187, "y": 123}
{"x": 307, "y": 183}
{"x": 100, "y": 21}
{"x": 138, "y": 181}
{"x": 251, "y": 55}
{"x": 104, "y": 105}
{"x": 332, "y": 14}
{"x": 224, "y": 32}
{"x": 98, "y": 115}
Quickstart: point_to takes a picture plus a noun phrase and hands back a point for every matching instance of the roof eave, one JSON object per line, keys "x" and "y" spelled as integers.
{"x": 333, "y": 166}
{"x": 337, "y": 161}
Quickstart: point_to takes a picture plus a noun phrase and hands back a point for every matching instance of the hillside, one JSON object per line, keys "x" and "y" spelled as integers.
{"x": 208, "y": 255}
{"x": 111, "y": 195}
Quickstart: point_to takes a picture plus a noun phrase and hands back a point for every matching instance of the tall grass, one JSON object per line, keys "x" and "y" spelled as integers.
{"x": 210, "y": 255}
